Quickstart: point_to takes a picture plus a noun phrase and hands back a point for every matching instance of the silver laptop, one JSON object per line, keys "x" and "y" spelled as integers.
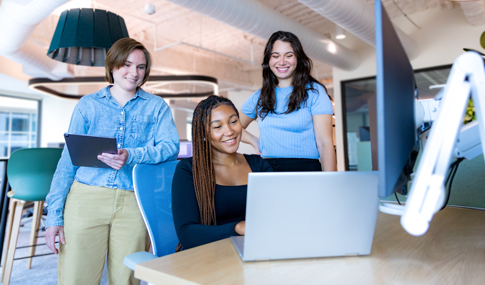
{"x": 309, "y": 214}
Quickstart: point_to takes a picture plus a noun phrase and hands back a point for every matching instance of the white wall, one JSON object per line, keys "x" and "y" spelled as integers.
{"x": 56, "y": 115}
{"x": 180, "y": 120}
{"x": 16, "y": 88}
{"x": 443, "y": 35}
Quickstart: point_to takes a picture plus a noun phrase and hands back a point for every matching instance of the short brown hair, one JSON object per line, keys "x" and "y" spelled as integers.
{"x": 118, "y": 53}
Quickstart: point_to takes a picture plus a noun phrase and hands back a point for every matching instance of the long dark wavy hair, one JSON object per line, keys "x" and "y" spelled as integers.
{"x": 202, "y": 166}
{"x": 302, "y": 80}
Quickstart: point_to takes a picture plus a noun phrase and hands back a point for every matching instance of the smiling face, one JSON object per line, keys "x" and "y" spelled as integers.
{"x": 283, "y": 63}
{"x": 129, "y": 76}
{"x": 225, "y": 130}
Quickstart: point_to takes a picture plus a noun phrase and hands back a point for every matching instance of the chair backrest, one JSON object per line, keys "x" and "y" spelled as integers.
{"x": 30, "y": 172}
{"x": 153, "y": 191}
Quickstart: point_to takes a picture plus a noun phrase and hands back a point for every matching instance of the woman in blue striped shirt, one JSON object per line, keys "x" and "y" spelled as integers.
{"x": 293, "y": 108}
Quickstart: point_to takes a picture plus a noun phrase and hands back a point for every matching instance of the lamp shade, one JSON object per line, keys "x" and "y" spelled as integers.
{"x": 83, "y": 36}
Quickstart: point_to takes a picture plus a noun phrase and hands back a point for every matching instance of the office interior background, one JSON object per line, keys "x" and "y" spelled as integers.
{"x": 187, "y": 42}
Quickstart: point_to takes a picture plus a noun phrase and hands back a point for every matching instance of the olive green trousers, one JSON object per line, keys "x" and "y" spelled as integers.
{"x": 100, "y": 224}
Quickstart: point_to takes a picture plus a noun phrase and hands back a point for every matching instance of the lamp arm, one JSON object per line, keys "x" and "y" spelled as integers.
{"x": 468, "y": 144}
{"x": 427, "y": 190}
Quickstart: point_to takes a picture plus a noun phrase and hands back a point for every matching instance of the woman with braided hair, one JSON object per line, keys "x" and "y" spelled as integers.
{"x": 209, "y": 189}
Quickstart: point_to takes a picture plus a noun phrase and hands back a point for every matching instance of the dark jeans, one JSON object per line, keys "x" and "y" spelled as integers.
{"x": 294, "y": 164}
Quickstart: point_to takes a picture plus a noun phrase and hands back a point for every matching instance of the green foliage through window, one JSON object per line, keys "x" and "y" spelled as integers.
{"x": 470, "y": 112}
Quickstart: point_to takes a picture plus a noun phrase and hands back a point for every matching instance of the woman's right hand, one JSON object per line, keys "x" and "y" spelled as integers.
{"x": 240, "y": 228}
{"x": 247, "y": 137}
{"x": 115, "y": 161}
{"x": 255, "y": 144}
{"x": 50, "y": 237}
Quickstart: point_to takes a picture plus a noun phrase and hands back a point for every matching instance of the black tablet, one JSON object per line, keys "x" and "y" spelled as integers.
{"x": 84, "y": 149}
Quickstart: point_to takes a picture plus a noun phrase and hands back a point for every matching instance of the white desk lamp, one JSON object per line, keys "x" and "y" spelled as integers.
{"x": 447, "y": 138}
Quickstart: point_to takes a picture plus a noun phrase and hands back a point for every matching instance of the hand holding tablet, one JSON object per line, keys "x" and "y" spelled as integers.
{"x": 84, "y": 150}
{"x": 115, "y": 161}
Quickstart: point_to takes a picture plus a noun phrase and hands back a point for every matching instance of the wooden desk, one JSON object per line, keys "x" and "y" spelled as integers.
{"x": 451, "y": 252}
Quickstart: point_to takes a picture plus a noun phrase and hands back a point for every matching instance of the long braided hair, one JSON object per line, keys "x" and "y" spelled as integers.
{"x": 301, "y": 77}
{"x": 202, "y": 166}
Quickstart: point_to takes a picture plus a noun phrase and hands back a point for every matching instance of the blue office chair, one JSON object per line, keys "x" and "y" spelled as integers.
{"x": 153, "y": 191}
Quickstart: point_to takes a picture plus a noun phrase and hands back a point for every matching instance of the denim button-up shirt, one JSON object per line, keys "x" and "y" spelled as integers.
{"x": 144, "y": 127}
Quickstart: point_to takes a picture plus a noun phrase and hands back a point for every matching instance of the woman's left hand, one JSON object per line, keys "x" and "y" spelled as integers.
{"x": 240, "y": 228}
{"x": 115, "y": 161}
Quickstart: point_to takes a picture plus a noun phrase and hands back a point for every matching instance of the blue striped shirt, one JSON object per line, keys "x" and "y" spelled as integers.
{"x": 289, "y": 135}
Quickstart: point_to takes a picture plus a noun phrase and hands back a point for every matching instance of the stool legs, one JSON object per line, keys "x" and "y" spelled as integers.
{"x": 8, "y": 231}
{"x": 17, "y": 213}
{"x": 37, "y": 215}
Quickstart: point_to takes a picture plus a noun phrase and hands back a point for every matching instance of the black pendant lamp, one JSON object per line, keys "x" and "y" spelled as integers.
{"x": 83, "y": 36}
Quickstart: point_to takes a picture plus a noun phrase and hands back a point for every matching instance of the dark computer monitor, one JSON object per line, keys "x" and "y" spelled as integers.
{"x": 396, "y": 131}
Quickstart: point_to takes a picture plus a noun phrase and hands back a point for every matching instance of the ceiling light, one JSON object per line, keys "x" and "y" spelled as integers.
{"x": 150, "y": 8}
{"x": 195, "y": 86}
{"x": 332, "y": 48}
{"x": 340, "y": 32}
{"x": 83, "y": 36}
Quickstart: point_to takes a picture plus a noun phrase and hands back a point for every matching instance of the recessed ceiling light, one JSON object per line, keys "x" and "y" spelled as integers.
{"x": 339, "y": 32}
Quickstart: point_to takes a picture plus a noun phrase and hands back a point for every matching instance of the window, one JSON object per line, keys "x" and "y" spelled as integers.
{"x": 18, "y": 124}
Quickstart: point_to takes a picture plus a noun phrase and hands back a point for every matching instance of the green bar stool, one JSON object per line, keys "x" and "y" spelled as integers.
{"x": 29, "y": 173}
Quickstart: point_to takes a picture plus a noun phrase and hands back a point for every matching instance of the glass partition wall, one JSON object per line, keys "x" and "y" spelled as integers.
{"x": 358, "y": 103}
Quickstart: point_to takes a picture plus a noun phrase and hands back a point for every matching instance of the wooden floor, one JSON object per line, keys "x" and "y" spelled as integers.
{"x": 451, "y": 252}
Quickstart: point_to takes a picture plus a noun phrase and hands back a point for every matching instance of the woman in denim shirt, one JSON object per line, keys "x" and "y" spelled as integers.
{"x": 94, "y": 210}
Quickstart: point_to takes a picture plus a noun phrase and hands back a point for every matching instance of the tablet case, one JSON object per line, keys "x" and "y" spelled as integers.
{"x": 84, "y": 149}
